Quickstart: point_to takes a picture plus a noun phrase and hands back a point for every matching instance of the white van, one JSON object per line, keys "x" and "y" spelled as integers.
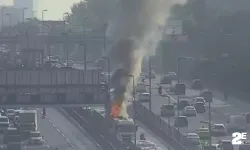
{"x": 236, "y": 123}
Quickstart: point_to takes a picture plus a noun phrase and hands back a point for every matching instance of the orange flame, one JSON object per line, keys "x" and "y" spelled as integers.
{"x": 115, "y": 110}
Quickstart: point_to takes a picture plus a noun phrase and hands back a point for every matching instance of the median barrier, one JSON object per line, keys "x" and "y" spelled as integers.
{"x": 161, "y": 128}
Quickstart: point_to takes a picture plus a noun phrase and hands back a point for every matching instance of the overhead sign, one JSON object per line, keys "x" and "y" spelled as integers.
{"x": 57, "y": 87}
{"x": 174, "y": 27}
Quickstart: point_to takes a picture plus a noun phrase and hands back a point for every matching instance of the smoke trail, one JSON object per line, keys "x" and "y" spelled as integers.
{"x": 136, "y": 32}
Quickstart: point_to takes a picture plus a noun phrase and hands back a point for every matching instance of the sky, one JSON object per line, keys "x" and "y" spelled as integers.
{"x": 55, "y": 8}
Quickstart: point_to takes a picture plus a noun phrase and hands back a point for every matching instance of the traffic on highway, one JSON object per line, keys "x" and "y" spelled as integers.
{"x": 190, "y": 114}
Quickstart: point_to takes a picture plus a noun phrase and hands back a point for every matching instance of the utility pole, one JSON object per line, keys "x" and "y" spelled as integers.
{"x": 150, "y": 84}
{"x": 84, "y": 46}
{"x": 2, "y": 14}
{"x": 178, "y": 82}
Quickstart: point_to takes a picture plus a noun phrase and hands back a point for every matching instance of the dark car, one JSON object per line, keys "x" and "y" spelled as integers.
{"x": 197, "y": 84}
{"x": 248, "y": 117}
{"x": 182, "y": 104}
{"x": 226, "y": 145}
{"x": 200, "y": 107}
{"x": 181, "y": 121}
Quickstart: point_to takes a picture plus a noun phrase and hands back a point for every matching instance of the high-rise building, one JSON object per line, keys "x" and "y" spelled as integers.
{"x": 29, "y": 4}
{"x": 10, "y": 15}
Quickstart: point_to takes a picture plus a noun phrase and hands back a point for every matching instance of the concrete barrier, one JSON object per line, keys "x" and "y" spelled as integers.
{"x": 162, "y": 129}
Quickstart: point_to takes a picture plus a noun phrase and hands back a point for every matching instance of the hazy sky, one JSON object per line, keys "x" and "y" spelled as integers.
{"x": 56, "y": 8}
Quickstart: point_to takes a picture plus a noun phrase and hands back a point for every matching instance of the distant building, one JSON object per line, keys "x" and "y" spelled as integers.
{"x": 15, "y": 15}
{"x": 29, "y": 4}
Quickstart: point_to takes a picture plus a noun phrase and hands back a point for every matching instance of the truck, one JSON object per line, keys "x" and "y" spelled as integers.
{"x": 124, "y": 129}
{"x": 13, "y": 139}
{"x": 27, "y": 120}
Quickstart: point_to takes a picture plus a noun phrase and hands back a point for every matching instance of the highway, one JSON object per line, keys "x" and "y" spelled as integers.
{"x": 220, "y": 110}
{"x": 60, "y": 132}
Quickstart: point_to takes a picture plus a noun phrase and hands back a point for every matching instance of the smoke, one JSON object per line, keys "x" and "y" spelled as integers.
{"x": 136, "y": 32}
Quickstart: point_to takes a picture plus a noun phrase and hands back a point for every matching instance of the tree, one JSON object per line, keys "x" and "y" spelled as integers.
{"x": 92, "y": 12}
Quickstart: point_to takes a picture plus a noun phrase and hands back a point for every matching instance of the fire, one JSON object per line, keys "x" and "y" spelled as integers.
{"x": 115, "y": 110}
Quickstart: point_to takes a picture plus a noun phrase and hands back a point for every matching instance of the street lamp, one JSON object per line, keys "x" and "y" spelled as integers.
{"x": 2, "y": 13}
{"x": 43, "y": 13}
{"x": 178, "y": 79}
{"x": 25, "y": 8}
{"x": 9, "y": 19}
{"x": 150, "y": 84}
{"x": 108, "y": 60}
{"x": 133, "y": 77}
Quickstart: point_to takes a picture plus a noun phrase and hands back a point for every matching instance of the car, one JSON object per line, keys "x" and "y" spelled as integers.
{"x": 181, "y": 121}
{"x": 225, "y": 145}
{"x": 219, "y": 130}
{"x": 196, "y": 84}
{"x": 144, "y": 97}
{"x": 167, "y": 110}
{"x": 244, "y": 146}
{"x": 189, "y": 111}
{"x": 207, "y": 95}
{"x": 182, "y": 104}
{"x": 172, "y": 75}
{"x": 141, "y": 88}
{"x": 10, "y": 113}
{"x": 36, "y": 138}
{"x": 248, "y": 117}
{"x": 199, "y": 99}
{"x": 203, "y": 133}
{"x": 200, "y": 107}
{"x": 236, "y": 123}
{"x": 165, "y": 80}
{"x": 153, "y": 75}
{"x": 193, "y": 138}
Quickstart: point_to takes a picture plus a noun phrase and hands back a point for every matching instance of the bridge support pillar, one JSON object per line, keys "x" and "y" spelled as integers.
{"x": 47, "y": 50}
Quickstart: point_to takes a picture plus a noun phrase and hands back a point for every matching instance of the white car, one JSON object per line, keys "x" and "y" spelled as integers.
{"x": 36, "y": 138}
{"x": 11, "y": 113}
{"x": 140, "y": 88}
{"x": 172, "y": 75}
{"x": 146, "y": 145}
{"x": 199, "y": 100}
{"x": 189, "y": 111}
{"x": 144, "y": 97}
{"x": 194, "y": 138}
{"x": 219, "y": 129}
{"x": 4, "y": 123}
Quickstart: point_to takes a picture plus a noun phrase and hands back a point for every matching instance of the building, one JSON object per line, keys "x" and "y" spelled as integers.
{"x": 15, "y": 15}
{"x": 29, "y": 4}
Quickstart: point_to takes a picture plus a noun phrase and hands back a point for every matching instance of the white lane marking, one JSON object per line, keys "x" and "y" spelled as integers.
{"x": 58, "y": 130}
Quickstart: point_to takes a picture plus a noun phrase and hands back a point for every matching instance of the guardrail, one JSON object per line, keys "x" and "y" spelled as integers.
{"x": 98, "y": 127}
{"x": 162, "y": 129}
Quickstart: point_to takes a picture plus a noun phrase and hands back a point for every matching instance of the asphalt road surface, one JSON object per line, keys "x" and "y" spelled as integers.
{"x": 220, "y": 110}
{"x": 60, "y": 132}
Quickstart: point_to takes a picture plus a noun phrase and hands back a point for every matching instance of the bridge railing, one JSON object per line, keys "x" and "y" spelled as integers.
{"x": 162, "y": 128}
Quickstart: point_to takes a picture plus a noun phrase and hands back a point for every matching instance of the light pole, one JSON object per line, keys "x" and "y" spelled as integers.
{"x": 2, "y": 13}
{"x": 44, "y": 110}
{"x": 9, "y": 19}
{"x": 25, "y": 8}
{"x": 43, "y": 13}
{"x": 133, "y": 82}
{"x": 109, "y": 73}
{"x": 150, "y": 84}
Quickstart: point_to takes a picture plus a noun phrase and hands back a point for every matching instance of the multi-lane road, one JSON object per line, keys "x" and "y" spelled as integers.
{"x": 220, "y": 110}
{"x": 62, "y": 133}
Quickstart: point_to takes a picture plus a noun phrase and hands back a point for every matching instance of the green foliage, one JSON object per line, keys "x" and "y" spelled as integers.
{"x": 92, "y": 12}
